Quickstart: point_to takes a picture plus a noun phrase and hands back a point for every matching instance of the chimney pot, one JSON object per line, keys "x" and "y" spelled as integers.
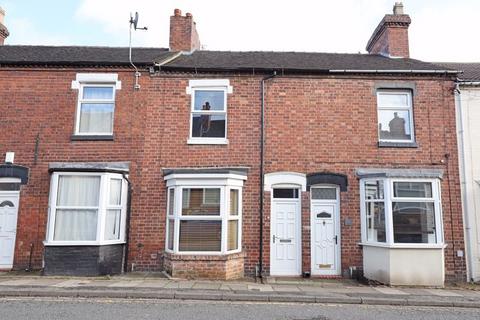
{"x": 398, "y": 8}
{"x": 2, "y": 15}
{"x": 3, "y": 30}
{"x": 390, "y": 38}
{"x": 183, "y": 32}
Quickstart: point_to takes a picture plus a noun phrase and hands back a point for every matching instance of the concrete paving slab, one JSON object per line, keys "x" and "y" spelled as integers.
{"x": 443, "y": 293}
{"x": 285, "y": 288}
{"x": 207, "y": 285}
{"x": 238, "y": 286}
{"x": 126, "y": 284}
{"x": 387, "y": 290}
{"x": 180, "y": 285}
{"x": 260, "y": 287}
{"x": 20, "y": 282}
{"x": 154, "y": 284}
{"x": 72, "y": 283}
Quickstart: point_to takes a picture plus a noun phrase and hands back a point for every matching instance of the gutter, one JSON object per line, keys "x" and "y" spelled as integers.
{"x": 127, "y": 223}
{"x": 468, "y": 83}
{"x": 453, "y": 72}
{"x": 262, "y": 164}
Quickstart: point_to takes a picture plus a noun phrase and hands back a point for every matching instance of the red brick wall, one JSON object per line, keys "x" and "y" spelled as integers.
{"x": 313, "y": 124}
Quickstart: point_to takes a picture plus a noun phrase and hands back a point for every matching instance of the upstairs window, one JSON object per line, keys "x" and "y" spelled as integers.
{"x": 208, "y": 119}
{"x": 395, "y": 116}
{"x": 96, "y": 104}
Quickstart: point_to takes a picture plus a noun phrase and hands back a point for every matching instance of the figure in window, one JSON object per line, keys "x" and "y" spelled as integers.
{"x": 205, "y": 119}
{"x": 397, "y": 126}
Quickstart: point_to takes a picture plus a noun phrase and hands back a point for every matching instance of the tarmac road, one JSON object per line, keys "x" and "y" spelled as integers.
{"x": 116, "y": 309}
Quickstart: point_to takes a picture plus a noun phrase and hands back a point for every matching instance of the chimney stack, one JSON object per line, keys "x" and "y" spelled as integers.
{"x": 390, "y": 38}
{"x": 3, "y": 30}
{"x": 183, "y": 32}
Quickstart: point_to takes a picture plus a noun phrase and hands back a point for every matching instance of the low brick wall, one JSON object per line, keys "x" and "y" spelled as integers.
{"x": 83, "y": 260}
{"x": 224, "y": 267}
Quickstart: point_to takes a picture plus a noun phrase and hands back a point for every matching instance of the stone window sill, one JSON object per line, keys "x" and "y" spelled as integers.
{"x": 92, "y": 137}
{"x": 390, "y": 144}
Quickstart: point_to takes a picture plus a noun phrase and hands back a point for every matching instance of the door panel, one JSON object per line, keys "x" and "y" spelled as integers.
{"x": 284, "y": 259}
{"x": 324, "y": 238}
{"x": 8, "y": 228}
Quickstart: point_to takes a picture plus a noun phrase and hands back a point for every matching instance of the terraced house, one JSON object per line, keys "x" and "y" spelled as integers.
{"x": 210, "y": 164}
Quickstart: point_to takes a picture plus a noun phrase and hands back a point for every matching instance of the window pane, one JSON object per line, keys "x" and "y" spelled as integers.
{"x": 393, "y": 100}
{"x": 112, "y": 225}
{"x": 414, "y": 222}
{"x": 234, "y": 202}
{"x": 232, "y": 243}
{"x": 376, "y": 221}
{"x": 71, "y": 225}
{"x": 394, "y": 125}
{"x": 115, "y": 192}
{"x": 171, "y": 230}
{"x": 201, "y": 202}
{"x": 412, "y": 189}
{"x": 285, "y": 193}
{"x": 98, "y": 93}
{"x": 324, "y": 193}
{"x": 209, "y": 126}
{"x": 197, "y": 235}
{"x": 209, "y": 100}
{"x": 171, "y": 202}
{"x": 96, "y": 117}
{"x": 78, "y": 191}
{"x": 374, "y": 190}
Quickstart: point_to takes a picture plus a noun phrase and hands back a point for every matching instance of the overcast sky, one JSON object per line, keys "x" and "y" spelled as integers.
{"x": 441, "y": 30}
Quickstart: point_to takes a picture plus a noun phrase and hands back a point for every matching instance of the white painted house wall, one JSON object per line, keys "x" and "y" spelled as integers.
{"x": 468, "y": 129}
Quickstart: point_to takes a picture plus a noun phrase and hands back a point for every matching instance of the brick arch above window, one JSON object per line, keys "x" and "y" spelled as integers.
{"x": 327, "y": 178}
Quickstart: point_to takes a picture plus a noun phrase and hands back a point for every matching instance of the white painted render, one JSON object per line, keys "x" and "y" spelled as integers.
{"x": 468, "y": 135}
{"x": 404, "y": 266}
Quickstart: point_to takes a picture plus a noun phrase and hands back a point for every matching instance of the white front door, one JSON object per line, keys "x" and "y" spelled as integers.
{"x": 8, "y": 227}
{"x": 325, "y": 231}
{"x": 285, "y": 250}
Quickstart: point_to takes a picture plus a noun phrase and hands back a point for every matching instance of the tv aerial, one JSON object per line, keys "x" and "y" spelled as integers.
{"x": 134, "y": 26}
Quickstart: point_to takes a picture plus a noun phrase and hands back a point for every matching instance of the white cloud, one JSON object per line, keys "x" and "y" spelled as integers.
{"x": 441, "y": 30}
{"x": 27, "y": 34}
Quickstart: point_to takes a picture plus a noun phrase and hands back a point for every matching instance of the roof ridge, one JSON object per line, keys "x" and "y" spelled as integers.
{"x": 79, "y": 46}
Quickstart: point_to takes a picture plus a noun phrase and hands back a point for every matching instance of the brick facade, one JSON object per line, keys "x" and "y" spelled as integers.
{"x": 314, "y": 124}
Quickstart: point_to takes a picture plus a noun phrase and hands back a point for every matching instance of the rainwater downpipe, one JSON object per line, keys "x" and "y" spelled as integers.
{"x": 463, "y": 177}
{"x": 127, "y": 223}
{"x": 262, "y": 161}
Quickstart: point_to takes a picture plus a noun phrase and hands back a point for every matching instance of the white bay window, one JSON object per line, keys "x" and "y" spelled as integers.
{"x": 86, "y": 208}
{"x": 401, "y": 211}
{"x": 204, "y": 214}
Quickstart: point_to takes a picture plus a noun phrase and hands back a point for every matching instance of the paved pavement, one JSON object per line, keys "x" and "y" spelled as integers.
{"x": 102, "y": 309}
{"x": 148, "y": 286}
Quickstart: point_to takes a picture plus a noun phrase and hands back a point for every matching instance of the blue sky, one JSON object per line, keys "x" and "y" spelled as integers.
{"x": 441, "y": 30}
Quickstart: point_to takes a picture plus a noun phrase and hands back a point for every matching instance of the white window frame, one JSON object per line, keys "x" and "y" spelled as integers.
{"x": 95, "y": 80}
{"x": 389, "y": 199}
{"x": 408, "y": 108}
{"x": 224, "y": 182}
{"x": 101, "y": 214}
{"x": 208, "y": 85}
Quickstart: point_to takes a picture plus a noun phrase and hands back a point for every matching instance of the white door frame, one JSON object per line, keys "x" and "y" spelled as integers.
{"x": 14, "y": 195}
{"x": 298, "y": 234}
{"x": 336, "y": 221}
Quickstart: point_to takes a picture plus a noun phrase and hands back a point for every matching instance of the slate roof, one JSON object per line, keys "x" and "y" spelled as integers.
{"x": 471, "y": 71}
{"x": 293, "y": 61}
{"x": 78, "y": 55}
{"x": 222, "y": 61}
